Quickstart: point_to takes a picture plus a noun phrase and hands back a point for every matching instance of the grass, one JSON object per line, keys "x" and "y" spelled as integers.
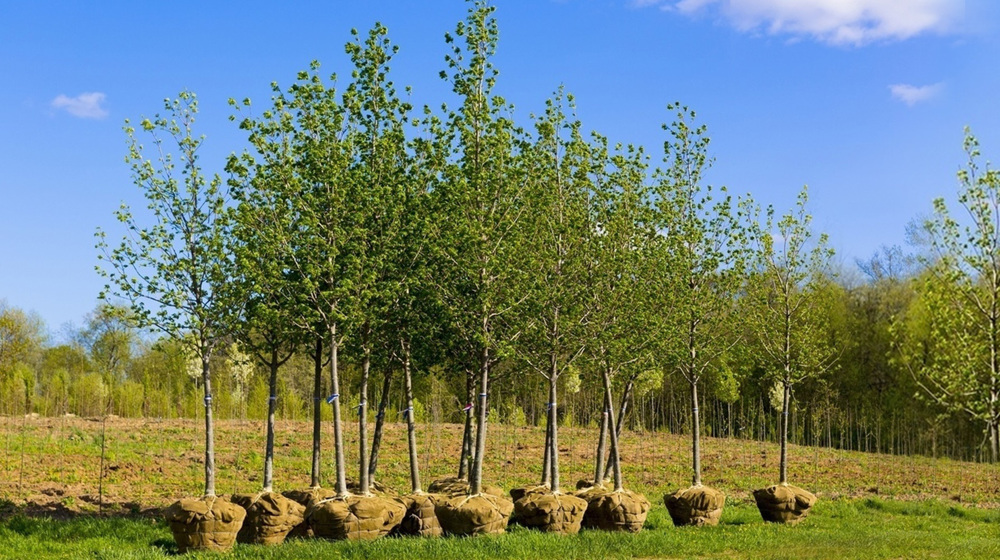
{"x": 871, "y": 506}
{"x": 843, "y": 529}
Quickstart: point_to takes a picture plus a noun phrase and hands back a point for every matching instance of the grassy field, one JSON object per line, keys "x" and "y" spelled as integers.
{"x": 845, "y": 528}
{"x": 871, "y": 506}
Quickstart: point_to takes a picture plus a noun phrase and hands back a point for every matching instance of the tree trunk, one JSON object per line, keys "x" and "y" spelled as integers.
{"x": 411, "y": 427}
{"x": 476, "y": 480}
{"x": 547, "y": 454}
{"x": 338, "y": 434}
{"x": 695, "y": 436}
{"x": 783, "y": 477}
{"x": 620, "y": 418}
{"x": 602, "y": 443}
{"x": 366, "y": 362}
{"x": 615, "y": 455}
{"x": 206, "y": 378}
{"x": 465, "y": 460}
{"x": 554, "y": 421}
{"x": 317, "y": 411}
{"x": 383, "y": 404}
{"x": 272, "y": 401}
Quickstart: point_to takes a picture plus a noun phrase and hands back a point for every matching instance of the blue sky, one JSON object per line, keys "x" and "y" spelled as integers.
{"x": 863, "y": 100}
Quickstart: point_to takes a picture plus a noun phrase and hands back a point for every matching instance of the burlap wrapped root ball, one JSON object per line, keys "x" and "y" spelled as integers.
{"x": 354, "y": 517}
{"x": 474, "y": 515}
{"x": 697, "y": 505}
{"x": 585, "y": 483}
{"x": 614, "y": 511}
{"x": 306, "y": 498}
{"x": 208, "y": 523}
{"x": 420, "y": 519}
{"x": 455, "y": 486}
{"x": 374, "y": 487}
{"x": 270, "y": 517}
{"x": 550, "y": 513}
{"x": 522, "y": 491}
{"x": 784, "y": 503}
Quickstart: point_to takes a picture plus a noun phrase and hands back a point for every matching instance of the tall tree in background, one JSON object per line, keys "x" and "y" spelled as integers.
{"x": 110, "y": 336}
{"x": 788, "y": 317}
{"x": 959, "y": 302}
{"x": 702, "y": 274}
{"x": 172, "y": 273}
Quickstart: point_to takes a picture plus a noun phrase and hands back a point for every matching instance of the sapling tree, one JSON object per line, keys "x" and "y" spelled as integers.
{"x": 702, "y": 273}
{"x": 788, "y": 306}
{"x": 960, "y": 300}
{"x": 264, "y": 283}
{"x": 481, "y": 193}
{"x": 173, "y": 273}
{"x": 621, "y": 319}
{"x": 173, "y": 270}
{"x": 553, "y": 318}
{"x": 303, "y": 143}
{"x": 705, "y": 268}
{"x": 376, "y": 190}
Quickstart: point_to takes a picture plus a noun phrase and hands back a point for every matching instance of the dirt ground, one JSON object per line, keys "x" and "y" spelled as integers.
{"x": 53, "y": 466}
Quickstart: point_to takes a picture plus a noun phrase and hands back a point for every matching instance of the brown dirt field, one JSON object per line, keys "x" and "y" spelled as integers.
{"x": 52, "y": 466}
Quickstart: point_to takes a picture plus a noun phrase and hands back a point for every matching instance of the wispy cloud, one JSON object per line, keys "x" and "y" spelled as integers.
{"x": 836, "y": 22}
{"x": 911, "y": 95}
{"x": 86, "y": 105}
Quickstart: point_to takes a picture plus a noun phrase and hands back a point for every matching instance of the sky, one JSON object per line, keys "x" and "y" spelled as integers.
{"x": 864, "y": 101}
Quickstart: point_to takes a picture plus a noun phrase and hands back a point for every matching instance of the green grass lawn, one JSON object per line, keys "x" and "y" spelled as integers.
{"x": 867, "y": 528}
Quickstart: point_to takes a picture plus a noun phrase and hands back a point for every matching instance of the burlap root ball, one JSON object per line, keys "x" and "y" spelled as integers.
{"x": 208, "y": 523}
{"x": 270, "y": 517}
{"x": 354, "y": 517}
{"x": 305, "y": 498}
{"x": 614, "y": 511}
{"x": 455, "y": 486}
{"x": 522, "y": 491}
{"x": 474, "y": 515}
{"x": 784, "y": 503}
{"x": 550, "y": 513}
{"x": 419, "y": 519}
{"x": 697, "y": 505}
{"x": 585, "y": 483}
{"x": 377, "y": 488}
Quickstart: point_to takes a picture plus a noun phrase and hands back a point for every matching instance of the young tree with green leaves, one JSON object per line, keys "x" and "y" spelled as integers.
{"x": 553, "y": 320}
{"x": 959, "y": 299}
{"x": 702, "y": 272}
{"x": 376, "y": 189}
{"x": 788, "y": 313}
{"x": 621, "y": 322}
{"x": 173, "y": 274}
{"x": 481, "y": 193}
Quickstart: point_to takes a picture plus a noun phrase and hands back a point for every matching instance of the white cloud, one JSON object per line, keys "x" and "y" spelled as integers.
{"x": 86, "y": 105}
{"x": 911, "y": 95}
{"x": 838, "y": 22}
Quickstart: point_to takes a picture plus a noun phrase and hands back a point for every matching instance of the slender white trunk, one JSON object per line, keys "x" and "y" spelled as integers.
{"x": 272, "y": 401}
{"x": 317, "y": 412}
{"x": 338, "y": 433}
{"x": 206, "y": 377}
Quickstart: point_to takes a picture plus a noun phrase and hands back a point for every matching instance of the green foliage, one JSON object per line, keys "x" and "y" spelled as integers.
{"x": 958, "y": 306}
{"x": 791, "y": 297}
